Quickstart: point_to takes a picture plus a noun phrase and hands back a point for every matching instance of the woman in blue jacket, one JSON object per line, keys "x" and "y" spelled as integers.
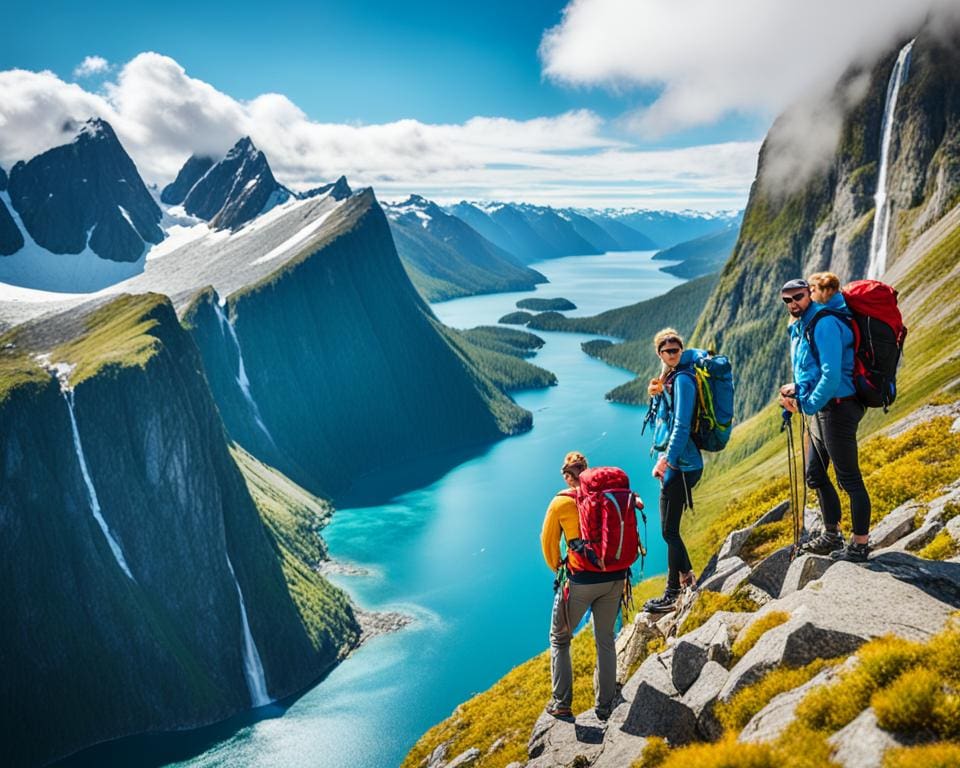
{"x": 679, "y": 464}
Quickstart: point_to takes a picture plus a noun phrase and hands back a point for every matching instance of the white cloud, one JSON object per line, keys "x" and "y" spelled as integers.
{"x": 162, "y": 115}
{"x": 708, "y": 59}
{"x": 92, "y": 65}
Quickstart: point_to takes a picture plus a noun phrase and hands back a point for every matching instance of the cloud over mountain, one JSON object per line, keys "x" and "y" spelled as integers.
{"x": 162, "y": 115}
{"x": 708, "y": 59}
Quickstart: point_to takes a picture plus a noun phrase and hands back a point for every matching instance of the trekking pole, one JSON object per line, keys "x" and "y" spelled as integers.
{"x": 787, "y": 426}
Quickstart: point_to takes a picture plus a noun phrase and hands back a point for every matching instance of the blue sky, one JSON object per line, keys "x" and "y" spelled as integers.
{"x": 654, "y": 103}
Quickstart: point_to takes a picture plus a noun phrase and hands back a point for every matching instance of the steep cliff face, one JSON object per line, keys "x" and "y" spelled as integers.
{"x": 347, "y": 371}
{"x": 128, "y": 537}
{"x": 827, "y": 222}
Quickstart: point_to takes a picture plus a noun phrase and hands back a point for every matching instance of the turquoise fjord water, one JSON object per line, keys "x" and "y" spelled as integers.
{"x": 461, "y": 555}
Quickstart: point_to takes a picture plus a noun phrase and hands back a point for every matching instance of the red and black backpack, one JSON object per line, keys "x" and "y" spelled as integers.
{"x": 878, "y": 335}
{"x": 607, "y": 511}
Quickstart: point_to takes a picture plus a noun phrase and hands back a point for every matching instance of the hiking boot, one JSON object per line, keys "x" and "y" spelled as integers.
{"x": 558, "y": 710}
{"x": 602, "y": 713}
{"x": 852, "y": 553}
{"x": 664, "y": 604}
{"x": 824, "y": 544}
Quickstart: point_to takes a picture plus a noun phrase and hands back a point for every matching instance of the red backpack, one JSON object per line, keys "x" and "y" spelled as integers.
{"x": 607, "y": 508}
{"x": 878, "y": 335}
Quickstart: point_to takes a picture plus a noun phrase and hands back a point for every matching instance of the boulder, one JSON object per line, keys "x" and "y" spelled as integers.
{"x": 710, "y": 642}
{"x": 953, "y": 528}
{"x": 918, "y": 539}
{"x": 560, "y": 741}
{"x": 769, "y": 573}
{"x": 724, "y": 569}
{"x": 780, "y": 712}
{"x": 861, "y": 743}
{"x": 652, "y": 706}
{"x": 620, "y": 749}
{"x": 632, "y": 642}
{"x": 894, "y": 526}
{"x": 938, "y": 581}
{"x": 702, "y": 696}
{"x": 803, "y": 570}
{"x": 793, "y": 644}
{"x": 734, "y": 542}
{"x": 735, "y": 579}
{"x": 872, "y": 599}
{"x": 438, "y": 757}
{"x": 937, "y": 507}
{"x": 466, "y": 757}
{"x": 774, "y": 515}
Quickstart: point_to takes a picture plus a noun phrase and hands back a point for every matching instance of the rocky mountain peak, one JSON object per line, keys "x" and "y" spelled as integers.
{"x": 86, "y": 194}
{"x": 233, "y": 191}
{"x": 192, "y": 171}
{"x": 3, "y": 180}
{"x": 338, "y": 190}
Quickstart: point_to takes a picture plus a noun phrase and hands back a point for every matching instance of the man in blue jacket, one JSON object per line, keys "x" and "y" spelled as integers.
{"x": 821, "y": 349}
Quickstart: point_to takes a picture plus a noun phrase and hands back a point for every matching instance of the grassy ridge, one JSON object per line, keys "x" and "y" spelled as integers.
{"x": 294, "y": 518}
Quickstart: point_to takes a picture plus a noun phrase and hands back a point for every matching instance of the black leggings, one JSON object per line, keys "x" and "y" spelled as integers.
{"x": 674, "y": 497}
{"x": 833, "y": 437}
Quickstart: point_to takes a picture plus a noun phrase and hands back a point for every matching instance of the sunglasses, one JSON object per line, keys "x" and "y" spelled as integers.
{"x": 796, "y": 297}
{"x": 671, "y": 350}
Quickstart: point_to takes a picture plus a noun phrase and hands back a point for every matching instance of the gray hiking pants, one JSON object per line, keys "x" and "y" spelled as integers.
{"x": 604, "y": 601}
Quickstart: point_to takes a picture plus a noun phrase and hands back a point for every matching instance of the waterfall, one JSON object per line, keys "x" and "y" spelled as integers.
{"x": 91, "y": 491}
{"x": 881, "y": 215}
{"x": 252, "y": 667}
{"x": 226, "y": 327}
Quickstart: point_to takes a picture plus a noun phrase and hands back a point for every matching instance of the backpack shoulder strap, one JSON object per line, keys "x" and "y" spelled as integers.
{"x": 843, "y": 317}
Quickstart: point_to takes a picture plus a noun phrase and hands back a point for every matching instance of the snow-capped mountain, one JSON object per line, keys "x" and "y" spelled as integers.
{"x": 228, "y": 193}
{"x": 81, "y": 199}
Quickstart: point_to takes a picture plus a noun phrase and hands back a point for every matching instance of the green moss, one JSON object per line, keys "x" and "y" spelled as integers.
{"x": 942, "y": 547}
{"x": 17, "y": 368}
{"x": 121, "y": 333}
{"x": 757, "y": 630}
{"x": 743, "y": 705}
{"x": 881, "y": 661}
{"x": 708, "y": 603}
{"x": 939, "y": 755}
{"x": 918, "y": 701}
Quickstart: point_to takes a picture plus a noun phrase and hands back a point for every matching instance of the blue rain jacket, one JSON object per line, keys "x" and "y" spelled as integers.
{"x": 817, "y": 385}
{"x": 675, "y": 419}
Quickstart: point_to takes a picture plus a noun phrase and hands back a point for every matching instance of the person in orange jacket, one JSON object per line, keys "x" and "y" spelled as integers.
{"x": 578, "y": 590}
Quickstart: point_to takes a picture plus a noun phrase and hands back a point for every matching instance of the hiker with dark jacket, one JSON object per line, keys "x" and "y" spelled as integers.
{"x": 578, "y": 589}
{"x": 679, "y": 465}
{"x": 822, "y": 353}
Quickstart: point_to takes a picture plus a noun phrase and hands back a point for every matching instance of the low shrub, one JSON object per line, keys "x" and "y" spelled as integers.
{"x": 881, "y": 661}
{"x": 917, "y": 701}
{"x": 942, "y": 547}
{"x": 757, "y": 630}
{"x": 939, "y": 755}
{"x": 735, "y": 713}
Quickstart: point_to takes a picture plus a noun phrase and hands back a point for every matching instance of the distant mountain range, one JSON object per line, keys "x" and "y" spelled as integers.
{"x": 78, "y": 218}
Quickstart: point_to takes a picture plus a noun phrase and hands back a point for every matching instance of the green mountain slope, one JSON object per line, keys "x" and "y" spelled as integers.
{"x": 701, "y": 256}
{"x": 827, "y": 222}
{"x": 162, "y": 648}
